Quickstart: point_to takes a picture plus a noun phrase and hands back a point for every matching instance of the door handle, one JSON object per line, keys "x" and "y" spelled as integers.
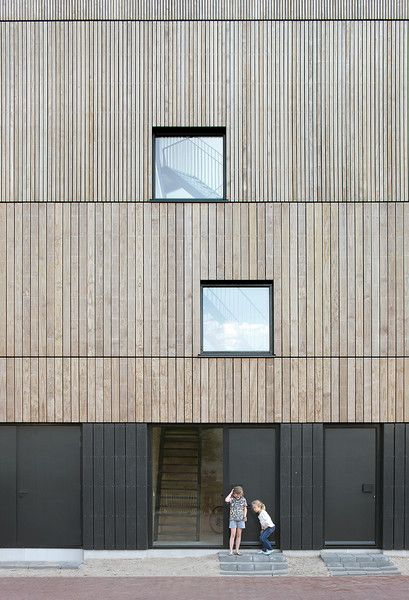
{"x": 368, "y": 488}
{"x": 22, "y": 493}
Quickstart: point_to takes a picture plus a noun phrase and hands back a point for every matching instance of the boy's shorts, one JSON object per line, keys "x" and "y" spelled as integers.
{"x": 237, "y": 525}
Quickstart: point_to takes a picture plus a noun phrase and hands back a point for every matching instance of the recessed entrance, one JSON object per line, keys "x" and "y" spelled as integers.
{"x": 193, "y": 469}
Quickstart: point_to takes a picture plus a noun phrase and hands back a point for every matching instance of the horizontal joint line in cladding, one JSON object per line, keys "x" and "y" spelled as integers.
{"x": 239, "y": 356}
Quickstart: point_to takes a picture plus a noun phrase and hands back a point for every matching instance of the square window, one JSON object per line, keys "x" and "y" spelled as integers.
{"x": 189, "y": 164}
{"x": 237, "y": 319}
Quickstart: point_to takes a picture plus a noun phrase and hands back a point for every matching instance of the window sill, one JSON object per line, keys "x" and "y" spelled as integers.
{"x": 189, "y": 200}
{"x": 236, "y": 355}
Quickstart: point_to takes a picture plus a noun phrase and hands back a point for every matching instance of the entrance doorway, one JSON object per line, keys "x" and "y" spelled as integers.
{"x": 195, "y": 467}
{"x": 351, "y": 486}
{"x": 40, "y": 483}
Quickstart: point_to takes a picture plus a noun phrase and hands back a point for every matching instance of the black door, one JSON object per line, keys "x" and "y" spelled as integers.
{"x": 251, "y": 463}
{"x": 44, "y": 502}
{"x": 350, "y": 486}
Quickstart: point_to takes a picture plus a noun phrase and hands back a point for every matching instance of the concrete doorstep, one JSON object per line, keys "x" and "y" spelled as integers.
{"x": 251, "y": 563}
{"x": 369, "y": 563}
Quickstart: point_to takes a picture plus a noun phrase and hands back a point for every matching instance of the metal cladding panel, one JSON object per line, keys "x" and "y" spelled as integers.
{"x": 395, "y": 508}
{"x": 115, "y": 484}
{"x": 8, "y": 486}
{"x": 301, "y": 486}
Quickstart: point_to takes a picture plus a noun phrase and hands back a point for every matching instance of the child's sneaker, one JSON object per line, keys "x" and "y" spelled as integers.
{"x": 267, "y": 551}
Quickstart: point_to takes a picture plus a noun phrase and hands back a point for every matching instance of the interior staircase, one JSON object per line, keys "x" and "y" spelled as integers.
{"x": 177, "y": 510}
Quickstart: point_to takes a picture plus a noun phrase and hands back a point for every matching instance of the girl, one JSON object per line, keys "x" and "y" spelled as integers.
{"x": 267, "y": 526}
{"x": 238, "y": 516}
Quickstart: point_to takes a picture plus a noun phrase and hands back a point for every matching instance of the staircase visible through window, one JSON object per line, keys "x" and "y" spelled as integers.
{"x": 187, "y": 485}
{"x": 189, "y": 167}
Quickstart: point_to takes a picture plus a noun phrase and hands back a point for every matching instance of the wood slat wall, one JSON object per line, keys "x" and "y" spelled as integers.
{"x": 313, "y": 110}
{"x": 204, "y": 390}
{"x": 110, "y": 280}
{"x": 204, "y": 9}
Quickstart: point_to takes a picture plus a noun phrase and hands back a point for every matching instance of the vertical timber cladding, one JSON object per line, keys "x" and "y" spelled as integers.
{"x": 101, "y": 306}
{"x": 40, "y": 10}
{"x": 312, "y": 98}
{"x": 116, "y": 487}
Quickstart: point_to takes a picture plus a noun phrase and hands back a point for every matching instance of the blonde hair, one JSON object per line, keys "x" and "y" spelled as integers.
{"x": 259, "y": 504}
{"x": 238, "y": 490}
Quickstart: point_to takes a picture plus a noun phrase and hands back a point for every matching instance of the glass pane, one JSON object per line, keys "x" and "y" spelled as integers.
{"x": 187, "y": 478}
{"x": 189, "y": 167}
{"x": 236, "y": 319}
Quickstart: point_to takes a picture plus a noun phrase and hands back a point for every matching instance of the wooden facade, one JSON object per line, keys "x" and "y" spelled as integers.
{"x": 123, "y": 280}
{"x": 313, "y": 110}
{"x": 101, "y": 306}
{"x": 204, "y": 390}
{"x": 100, "y": 287}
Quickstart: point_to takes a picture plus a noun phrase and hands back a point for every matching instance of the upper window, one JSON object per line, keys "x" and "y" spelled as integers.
{"x": 189, "y": 163}
{"x": 237, "y": 318}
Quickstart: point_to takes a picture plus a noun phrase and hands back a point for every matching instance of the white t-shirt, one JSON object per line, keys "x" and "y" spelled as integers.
{"x": 265, "y": 519}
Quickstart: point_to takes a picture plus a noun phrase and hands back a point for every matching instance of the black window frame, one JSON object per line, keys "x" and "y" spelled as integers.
{"x": 240, "y": 353}
{"x": 158, "y": 132}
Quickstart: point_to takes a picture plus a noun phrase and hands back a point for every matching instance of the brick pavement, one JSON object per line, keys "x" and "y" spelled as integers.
{"x": 201, "y": 588}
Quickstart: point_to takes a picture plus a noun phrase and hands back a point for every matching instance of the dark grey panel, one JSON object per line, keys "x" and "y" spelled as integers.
{"x": 143, "y": 493}
{"x": 252, "y": 458}
{"x": 301, "y": 485}
{"x": 296, "y": 489}
{"x": 317, "y": 486}
{"x": 395, "y": 508}
{"x": 88, "y": 485}
{"x": 399, "y": 488}
{"x": 8, "y": 466}
{"x": 120, "y": 487}
{"x": 98, "y": 509}
{"x": 388, "y": 484}
{"x": 115, "y": 469}
{"x": 306, "y": 490}
{"x": 109, "y": 487}
{"x": 285, "y": 486}
{"x": 406, "y": 527}
{"x": 49, "y": 486}
{"x": 130, "y": 476}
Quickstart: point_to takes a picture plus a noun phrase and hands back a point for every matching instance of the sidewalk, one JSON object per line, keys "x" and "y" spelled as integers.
{"x": 167, "y": 566}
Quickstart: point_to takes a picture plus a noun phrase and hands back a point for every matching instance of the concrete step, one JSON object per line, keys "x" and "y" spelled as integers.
{"x": 251, "y": 563}
{"x": 364, "y": 563}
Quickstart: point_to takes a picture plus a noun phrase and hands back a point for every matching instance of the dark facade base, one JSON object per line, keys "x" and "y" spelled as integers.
{"x": 330, "y": 483}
